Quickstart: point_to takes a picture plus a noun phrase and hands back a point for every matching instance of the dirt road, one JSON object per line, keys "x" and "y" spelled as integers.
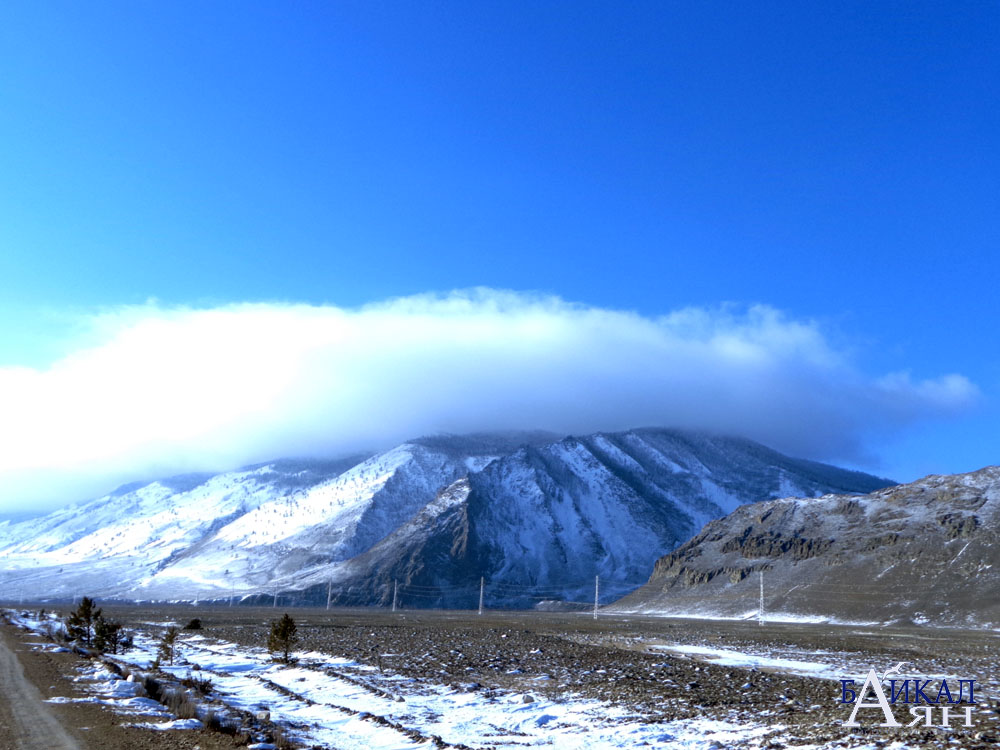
{"x": 26, "y": 722}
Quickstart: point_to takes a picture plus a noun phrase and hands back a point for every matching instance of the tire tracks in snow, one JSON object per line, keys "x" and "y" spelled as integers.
{"x": 412, "y": 734}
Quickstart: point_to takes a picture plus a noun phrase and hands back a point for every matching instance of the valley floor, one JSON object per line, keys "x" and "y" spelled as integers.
{"x": 415, "y": 679}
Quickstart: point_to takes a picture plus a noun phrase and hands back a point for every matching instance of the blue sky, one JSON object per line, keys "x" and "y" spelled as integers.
{"x": 837, "y": 164}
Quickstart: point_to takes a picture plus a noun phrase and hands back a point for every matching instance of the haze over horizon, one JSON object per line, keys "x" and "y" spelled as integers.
{"x": 232, "y": 234}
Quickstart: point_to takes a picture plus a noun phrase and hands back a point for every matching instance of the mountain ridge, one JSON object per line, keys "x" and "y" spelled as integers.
{"x": 527, "y": 509}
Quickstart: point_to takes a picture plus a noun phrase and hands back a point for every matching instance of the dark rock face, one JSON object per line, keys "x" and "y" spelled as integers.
{"x": 770, "y": 544}
{"x": 923, "y": 552}
{"x": 542, "y": 522}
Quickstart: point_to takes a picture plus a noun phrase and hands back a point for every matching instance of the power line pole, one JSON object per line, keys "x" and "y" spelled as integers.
{"x": 329, "y": 591}
{"x": 760, "y": 608}
{"x": 275, "y": 602}
{"x": 482, "y": 585}
{"x": 597, "y": 594}
{"x": 395, "y": 593}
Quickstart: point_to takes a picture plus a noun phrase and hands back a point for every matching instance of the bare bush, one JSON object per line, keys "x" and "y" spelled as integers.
{"x": 281, "y": 740}
{"x": 201, "y": 686}
{"x": 181, "y": 704}
{"x": 224, "y": 725}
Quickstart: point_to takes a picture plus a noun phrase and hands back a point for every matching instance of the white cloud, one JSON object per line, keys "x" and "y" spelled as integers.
{"x": 158, "y": 390}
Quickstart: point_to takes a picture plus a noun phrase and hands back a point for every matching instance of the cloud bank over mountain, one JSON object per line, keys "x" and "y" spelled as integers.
{"x": 153, "y": 390}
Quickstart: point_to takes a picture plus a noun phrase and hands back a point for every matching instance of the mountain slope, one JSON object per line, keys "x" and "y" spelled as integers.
{"x": 923, "y": 551}
{"x": 537, "y": 516}
{"x": 542, "y": 522}
{"x": 201, "y": 536}
{"x": 109, "y": 544}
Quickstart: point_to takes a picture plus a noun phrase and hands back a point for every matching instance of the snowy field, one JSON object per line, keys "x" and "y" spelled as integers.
{"x": 337, "y": 703}
{"x": 328, "y": 701}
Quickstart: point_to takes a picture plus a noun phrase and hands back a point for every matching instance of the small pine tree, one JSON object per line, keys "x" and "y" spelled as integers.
{"x": 167, "y": 648}
{"x": 282, "y": 637}
{"x": 80, "y": 623}
{"x": 110, "y": 635}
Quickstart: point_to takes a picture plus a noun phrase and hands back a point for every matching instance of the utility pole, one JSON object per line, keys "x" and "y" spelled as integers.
{"x": 482, "y": 585}
{"x": 395, "y": 593}
{"x": 597, "y": 594}
{"x": 760, "y": 608}
{"x": 275, "y": 603}
{"x": 329, "y": 591}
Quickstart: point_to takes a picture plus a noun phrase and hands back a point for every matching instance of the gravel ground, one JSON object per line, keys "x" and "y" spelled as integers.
{"x": 90, "y": 726}
{"x": 617, "y": 659}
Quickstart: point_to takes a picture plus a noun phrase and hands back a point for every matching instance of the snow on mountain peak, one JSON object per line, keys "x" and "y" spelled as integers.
{"x": 528, "y": 508}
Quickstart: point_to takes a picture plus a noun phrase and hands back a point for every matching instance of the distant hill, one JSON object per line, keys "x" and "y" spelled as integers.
{"x": 922, "y": 552}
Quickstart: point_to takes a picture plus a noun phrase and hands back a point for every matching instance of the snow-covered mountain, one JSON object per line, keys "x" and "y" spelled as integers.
{"x": 537, "y": 516}
{"x": 924, "y": 552}
{"x": 542, "y": 522}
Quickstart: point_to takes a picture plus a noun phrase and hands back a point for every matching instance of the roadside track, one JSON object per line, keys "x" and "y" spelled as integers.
{"x": 26, "y": 721}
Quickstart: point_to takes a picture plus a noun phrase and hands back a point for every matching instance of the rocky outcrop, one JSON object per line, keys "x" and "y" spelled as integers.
{"x": 922, "y": 552}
